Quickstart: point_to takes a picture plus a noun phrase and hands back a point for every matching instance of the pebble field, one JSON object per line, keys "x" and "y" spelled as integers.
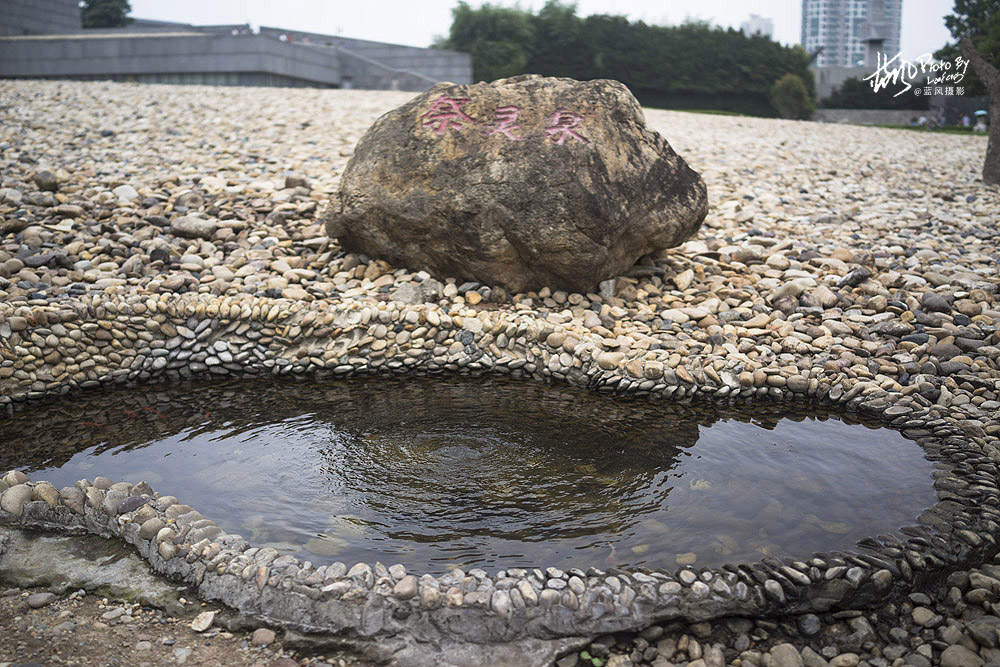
{"x": 170, "y": 232}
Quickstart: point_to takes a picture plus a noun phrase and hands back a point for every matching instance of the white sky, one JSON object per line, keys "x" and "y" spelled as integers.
{"x": 418, "y": 22}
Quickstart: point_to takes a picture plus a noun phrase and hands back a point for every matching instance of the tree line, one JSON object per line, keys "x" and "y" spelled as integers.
{"x": 691, "y": 66}
{"x": 856, "y": 93}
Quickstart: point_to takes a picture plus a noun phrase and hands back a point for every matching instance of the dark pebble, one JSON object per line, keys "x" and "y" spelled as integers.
{"x": 893, "y": 328}
{"x": 927, "y": 319}
{"x": 46, "y": 180}
{"x": 944, "y": 351}
{"x": 41, "y": 259}
{"x": 969, "y": 344}
{"x": 159, "y": 255}
{"x": 984, "y": 631}
{"x": 931, "y": 394}
{"x": 855, "y": 277}
{"x": 809, "y": 625}
{"x": 952, "y": 367}
{"x": 935, "y": 303}
{"x": 131, "y": 504}
{"x": 959, "y": 580}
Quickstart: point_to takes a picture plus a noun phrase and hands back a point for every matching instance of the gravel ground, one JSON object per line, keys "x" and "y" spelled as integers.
{"x": 90, "y": 630}
{"x": 860, "y": 259}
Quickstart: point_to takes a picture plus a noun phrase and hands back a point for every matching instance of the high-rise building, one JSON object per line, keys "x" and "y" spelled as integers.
{"x": 757, "y": 25}
{"x": 849, "y": 32}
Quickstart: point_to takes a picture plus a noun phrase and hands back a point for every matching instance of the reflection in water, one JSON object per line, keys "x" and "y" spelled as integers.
{"x": 436, "y": 473}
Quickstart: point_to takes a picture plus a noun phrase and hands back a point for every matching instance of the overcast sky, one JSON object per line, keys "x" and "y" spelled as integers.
{"x": 418, "y": 22}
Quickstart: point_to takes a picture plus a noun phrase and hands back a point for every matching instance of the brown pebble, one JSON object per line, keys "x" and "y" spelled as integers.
{"x": 262, "y": 637}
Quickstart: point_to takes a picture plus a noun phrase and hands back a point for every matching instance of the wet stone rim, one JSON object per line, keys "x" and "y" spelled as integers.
{"x": 190, "y": 337}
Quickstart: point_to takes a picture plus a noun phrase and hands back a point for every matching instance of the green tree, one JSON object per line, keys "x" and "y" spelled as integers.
{"x": 980, "y": 20}
{"x": 976, "y": 26}
{"x": 558, "y": 48}
{"x": 105, "y": 13}
{"x": 692, "y": 66}
{"x": 791, "y": 98}
{"x": 499, "y": 38}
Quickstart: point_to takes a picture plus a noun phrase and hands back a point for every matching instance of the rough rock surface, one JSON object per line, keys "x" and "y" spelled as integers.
{"x": 524, "y": 182}
{"x": 90, "y": 563}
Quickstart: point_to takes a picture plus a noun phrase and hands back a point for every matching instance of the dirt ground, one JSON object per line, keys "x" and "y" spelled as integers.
{"x": 89, "y": 630}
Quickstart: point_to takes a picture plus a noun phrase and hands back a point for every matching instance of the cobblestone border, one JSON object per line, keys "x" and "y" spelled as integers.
{"x": 139, "y": 339}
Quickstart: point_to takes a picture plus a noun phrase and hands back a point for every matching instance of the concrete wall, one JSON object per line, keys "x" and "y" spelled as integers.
{"x": 364, "y": 73}
{"x": 437, "y": 64}
{"x": 869, "y": 116}
{"x": 149, "y": 25}
{"x": 164, "y": 52}
{"x": 37, "y": 17}
{"x": 260, "y": 79}
{"x": 432, "y": 64}
{"x": 165, "y": 55}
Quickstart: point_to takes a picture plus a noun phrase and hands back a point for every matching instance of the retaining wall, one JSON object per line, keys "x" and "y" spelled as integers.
{"x": 433, "y": 64}
{"x": 135, "y": 55}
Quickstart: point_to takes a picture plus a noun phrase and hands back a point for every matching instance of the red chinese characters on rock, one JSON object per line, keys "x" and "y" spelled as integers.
{"x": 445, "y": 113}
{"x": 563, "y": 126}
{"x": 505, "y": 122}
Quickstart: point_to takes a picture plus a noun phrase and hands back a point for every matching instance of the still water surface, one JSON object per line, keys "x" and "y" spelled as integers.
{"x": 436, "y": 473}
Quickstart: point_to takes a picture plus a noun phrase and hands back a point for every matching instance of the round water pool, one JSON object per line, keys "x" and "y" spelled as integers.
{"x": 435, "y": 473}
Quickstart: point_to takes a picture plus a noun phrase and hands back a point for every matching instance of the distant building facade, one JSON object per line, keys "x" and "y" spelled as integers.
{"x": 38, "y": 17}
{"x": 757, "y": 25}
{"x": 44, "y": 39}
{"x": 848, "y": 33}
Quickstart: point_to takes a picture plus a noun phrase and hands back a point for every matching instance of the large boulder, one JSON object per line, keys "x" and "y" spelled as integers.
{"x": 523, "y": 182}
